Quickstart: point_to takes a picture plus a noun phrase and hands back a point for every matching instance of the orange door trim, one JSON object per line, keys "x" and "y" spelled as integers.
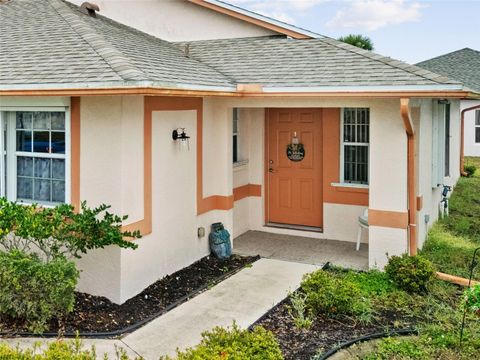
{"x": 389, "y": 219}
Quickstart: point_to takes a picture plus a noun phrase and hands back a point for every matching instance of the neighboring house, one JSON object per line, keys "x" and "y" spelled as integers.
{"x": 464, "y": 66}
{"x": 188, "y": 20}
{"x": 376, "y": 133}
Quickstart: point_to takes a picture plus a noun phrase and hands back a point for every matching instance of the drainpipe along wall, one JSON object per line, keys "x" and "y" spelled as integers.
{"x": 462, "y": 138}
{"x": 411, "y": 175}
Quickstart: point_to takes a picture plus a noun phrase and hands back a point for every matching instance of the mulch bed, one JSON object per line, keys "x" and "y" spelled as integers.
{"x": 325, "y": 333}
{"x": 98, "y": 314}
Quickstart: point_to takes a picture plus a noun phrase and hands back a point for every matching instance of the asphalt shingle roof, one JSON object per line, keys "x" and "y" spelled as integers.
{"x": 462, "y": 65}
{"x": 52, "y": 42}
{"x": 284, "y": 62}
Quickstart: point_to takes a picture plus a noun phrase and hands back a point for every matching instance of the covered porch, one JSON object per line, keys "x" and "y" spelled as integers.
{"x": 302, "y": 249}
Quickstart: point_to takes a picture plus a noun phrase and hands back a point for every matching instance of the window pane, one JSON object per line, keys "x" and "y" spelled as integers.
{"x": 58, "y": 191}
{"x": 42, "y": 168}
{"x": 24, "y": 140}
{"x": 477, "y": 117}
{"x": 41, "y": 141}
{"x": 235, "y": 148}
{"x": 356, "y": 164}
{"x": 24, "y": 166}
{"x": 58, "y": 143}
{"x": 25, "y": 188}
{"x": 41, "y": 121}
{"x": 477, "y": 135}
{"x": 42, "y": 190}
{"x": 58, "y": 120}
{"x": 58, "y": 169}
{"x": 24, "y": 120}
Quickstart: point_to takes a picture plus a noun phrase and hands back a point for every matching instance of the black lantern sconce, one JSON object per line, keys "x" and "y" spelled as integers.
{"x": 180, "y": 136}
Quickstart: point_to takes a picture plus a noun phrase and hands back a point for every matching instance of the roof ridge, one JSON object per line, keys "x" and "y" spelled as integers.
{"x": 426, "y": 74}
{"x": 110, "y": 54}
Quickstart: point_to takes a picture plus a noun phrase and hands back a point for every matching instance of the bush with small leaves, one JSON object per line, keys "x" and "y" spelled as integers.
{"x": 233, "y": 344}
{"x": 34, "y": 291}
{"x": 410, "y": 273}
{"x": 330, "y": 295}
{"x": 60, "y": 231}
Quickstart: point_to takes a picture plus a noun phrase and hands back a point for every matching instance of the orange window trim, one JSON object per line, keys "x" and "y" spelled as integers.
{"x": 247, "y": 190}
{"x": 389, "y": 219}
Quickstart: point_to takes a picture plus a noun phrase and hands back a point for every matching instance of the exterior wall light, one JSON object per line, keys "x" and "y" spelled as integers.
{"x": 180, "y": 136}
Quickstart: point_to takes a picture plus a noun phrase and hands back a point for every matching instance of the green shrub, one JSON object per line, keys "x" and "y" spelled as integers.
{"x": 470, "y": 170}
{"x": 57, "y": 350}
{"x": 34, "y": 291}
{"x": 60, "y": 231}
{"x": 410, "y": 273}
{"x": 471, "y": 300}
{"x": 328, "y": 294}
{"x": 233, "y": 344}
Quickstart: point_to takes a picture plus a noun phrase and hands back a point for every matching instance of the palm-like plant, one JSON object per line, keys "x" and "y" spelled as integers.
{"x": 363, "y": 42}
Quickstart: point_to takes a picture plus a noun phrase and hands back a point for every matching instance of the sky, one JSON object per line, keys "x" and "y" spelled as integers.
{"x": 408, "y": 30}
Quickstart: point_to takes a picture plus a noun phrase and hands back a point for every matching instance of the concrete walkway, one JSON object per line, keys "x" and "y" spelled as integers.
{"x": 302, "y": 249}
{"x": 243, "y": 298}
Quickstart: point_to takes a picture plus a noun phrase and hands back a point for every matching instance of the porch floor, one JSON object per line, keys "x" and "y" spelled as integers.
{"x": 301, "y": 249}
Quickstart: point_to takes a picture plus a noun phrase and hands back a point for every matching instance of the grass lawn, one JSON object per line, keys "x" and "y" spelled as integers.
{"x": 452, "y": 241}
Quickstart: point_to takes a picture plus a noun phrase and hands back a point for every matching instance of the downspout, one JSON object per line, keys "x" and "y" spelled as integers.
{"x": 411, "y": 175}
{"x": 462, "y": 139}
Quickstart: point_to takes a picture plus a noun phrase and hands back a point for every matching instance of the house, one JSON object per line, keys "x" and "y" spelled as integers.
{"x": 270, "y": 130}
{"x": 464, "y": 66}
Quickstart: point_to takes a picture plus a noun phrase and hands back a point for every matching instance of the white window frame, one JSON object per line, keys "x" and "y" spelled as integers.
{"x": 476, "y": 126}
{"x": 342, "y": 150}
{"x": 8, "y": 118}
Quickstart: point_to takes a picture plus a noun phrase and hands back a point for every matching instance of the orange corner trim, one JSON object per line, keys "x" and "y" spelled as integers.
{"x": 389, "y": 219}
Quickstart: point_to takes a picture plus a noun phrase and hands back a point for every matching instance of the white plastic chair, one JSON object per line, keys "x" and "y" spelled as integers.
{"x": 362, "y": 224}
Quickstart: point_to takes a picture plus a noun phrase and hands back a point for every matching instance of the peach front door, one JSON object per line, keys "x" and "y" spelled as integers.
{"x": 294, "y": 184}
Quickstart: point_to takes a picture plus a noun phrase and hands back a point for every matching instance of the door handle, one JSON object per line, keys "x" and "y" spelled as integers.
{"x": 270, "y": 170}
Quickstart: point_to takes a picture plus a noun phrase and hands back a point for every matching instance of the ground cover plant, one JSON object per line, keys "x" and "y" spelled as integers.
{"x": 57, "y": 350}
{"x": 233, "y": 343}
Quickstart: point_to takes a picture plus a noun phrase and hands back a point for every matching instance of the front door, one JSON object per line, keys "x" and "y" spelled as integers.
{"x": 294, "y": 167}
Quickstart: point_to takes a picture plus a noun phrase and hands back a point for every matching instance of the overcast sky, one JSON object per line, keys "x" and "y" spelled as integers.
{"x": 408, "y": 30}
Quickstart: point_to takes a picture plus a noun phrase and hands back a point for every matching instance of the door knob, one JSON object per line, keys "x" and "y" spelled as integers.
{"x": 270, "y": 170}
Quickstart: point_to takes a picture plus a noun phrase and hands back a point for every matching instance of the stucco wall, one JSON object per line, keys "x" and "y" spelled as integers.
{"x": 471, "y": 148}
{"x": 176, "y": 20}
{"x": 112, "y": 173}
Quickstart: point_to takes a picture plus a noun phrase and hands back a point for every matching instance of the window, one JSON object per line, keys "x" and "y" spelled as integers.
{"x": 34, "y": 162}
{"x": 447, "y": 139}
{"x": 477, "y": 126}
{"x": 355, "y": 139}
{"x": 235, "y": 136}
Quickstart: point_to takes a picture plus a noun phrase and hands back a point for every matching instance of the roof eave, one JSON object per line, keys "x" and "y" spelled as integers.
{"x": 153, "y": 88}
